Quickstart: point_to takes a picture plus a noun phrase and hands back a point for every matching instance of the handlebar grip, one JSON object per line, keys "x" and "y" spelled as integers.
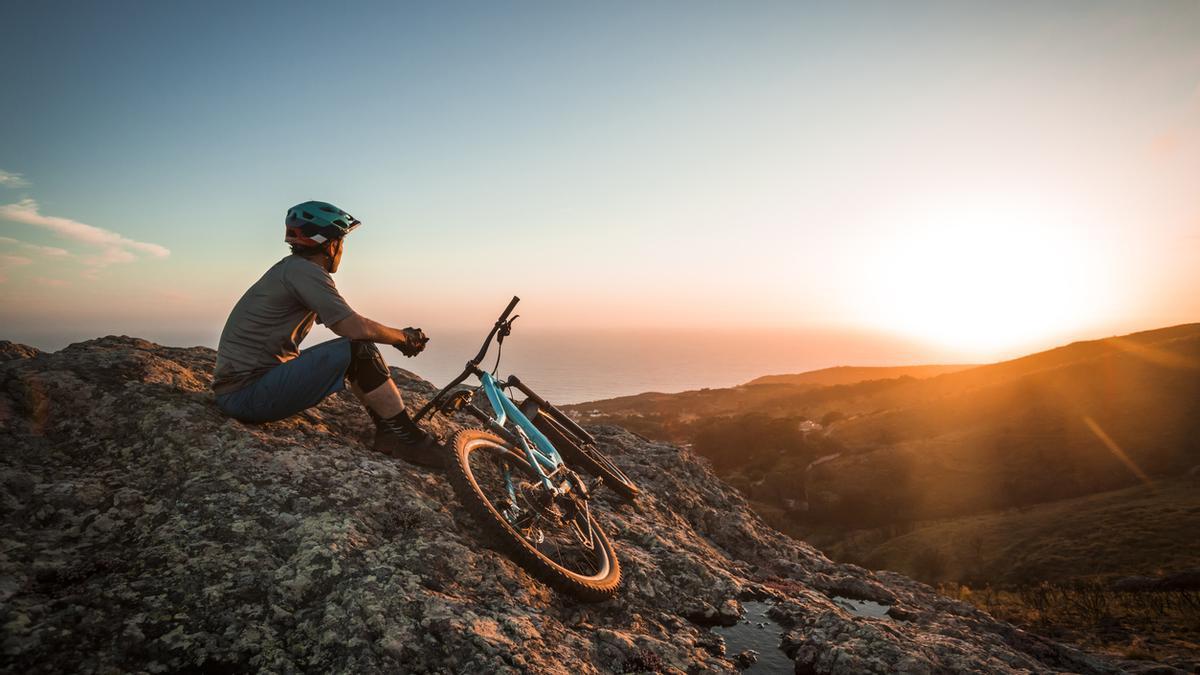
{"x": 508, "y": 310}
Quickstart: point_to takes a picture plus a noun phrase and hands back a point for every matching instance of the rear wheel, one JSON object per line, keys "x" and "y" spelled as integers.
{"x": 555, "y": 538}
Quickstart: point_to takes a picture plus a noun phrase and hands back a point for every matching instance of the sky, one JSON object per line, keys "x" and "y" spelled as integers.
{"x": 983, "y": 179}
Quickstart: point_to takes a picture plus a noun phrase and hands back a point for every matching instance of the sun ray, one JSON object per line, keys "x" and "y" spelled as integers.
{"x": 1117, "y": 451}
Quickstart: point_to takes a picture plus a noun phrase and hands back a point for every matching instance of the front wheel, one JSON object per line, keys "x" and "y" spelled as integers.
{"x": 555, "y": 538}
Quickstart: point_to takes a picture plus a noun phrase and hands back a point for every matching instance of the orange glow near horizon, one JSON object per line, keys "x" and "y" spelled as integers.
{"x": 989, "y": 285}
{"x": 1015, "y": 177}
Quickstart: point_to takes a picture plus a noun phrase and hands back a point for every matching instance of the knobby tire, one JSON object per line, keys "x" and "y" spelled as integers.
{"x": 484, "y": 512}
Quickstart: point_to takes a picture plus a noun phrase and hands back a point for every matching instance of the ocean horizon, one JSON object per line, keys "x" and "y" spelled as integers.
{"x": 576, "y": 366}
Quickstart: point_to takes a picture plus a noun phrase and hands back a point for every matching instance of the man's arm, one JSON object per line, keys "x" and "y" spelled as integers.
{"x": 359, "y": 327}
{"x": 314, "y": 288}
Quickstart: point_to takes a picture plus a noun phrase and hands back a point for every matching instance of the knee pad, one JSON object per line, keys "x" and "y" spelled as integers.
{"x": 367, "y": 370}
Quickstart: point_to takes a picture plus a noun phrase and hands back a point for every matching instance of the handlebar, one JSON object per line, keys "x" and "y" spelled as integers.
{"x": 472, "y": 365}
{"x": 508, "y": 310}
{"x": 495, "y": 329}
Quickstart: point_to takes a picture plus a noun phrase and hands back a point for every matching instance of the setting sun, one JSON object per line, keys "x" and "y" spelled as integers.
{"x": 980, "y": 285}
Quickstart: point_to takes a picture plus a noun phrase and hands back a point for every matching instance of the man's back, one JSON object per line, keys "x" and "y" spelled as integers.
{"x": 268, "y": 323}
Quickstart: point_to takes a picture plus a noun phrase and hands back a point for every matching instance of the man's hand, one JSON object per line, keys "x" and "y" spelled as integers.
{"x": 410, "y": 341}
{"x": 414, "y": 342}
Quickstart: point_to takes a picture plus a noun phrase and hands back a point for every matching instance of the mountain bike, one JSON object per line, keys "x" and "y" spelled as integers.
{"x": 517, "y": 478}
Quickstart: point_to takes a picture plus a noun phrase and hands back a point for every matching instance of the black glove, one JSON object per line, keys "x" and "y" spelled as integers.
{"x": 415, "y": 344}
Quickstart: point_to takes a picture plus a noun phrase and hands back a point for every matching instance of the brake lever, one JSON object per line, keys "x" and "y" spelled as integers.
{"x": 506, "y": 328}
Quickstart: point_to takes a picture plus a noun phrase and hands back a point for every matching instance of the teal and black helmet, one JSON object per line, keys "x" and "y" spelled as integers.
{"x": 314, "y": 223}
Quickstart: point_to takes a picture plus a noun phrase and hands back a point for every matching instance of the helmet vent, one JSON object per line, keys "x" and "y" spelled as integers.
{"x": 307, "y": 215}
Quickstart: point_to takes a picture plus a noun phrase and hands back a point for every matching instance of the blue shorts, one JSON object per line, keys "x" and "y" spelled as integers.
{"x": 291, "y": 386}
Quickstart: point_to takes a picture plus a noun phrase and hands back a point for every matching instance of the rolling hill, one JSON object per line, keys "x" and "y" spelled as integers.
{"x": 851, "y": 374}
{"x": 887, "y": 455}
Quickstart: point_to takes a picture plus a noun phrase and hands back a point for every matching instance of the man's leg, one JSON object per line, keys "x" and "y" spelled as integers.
{"x": 384, "y": 400}
{"x": 371, "y": 381}
{"x": 396, "y": 433}
{"x": 292, "y": 386}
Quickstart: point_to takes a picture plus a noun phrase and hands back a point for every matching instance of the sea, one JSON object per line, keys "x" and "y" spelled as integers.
{"x": 575, "y": 366}
{"x": 581, "y": 366}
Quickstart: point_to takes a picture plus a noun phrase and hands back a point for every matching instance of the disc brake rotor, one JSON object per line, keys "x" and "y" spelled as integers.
{"x": 538, "y": 501}
{"x": 537, "y": 510}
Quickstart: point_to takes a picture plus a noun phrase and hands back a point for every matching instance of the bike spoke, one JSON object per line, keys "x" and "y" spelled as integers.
{"x": 571, "y": 551}
{"x": 564, "y": 539}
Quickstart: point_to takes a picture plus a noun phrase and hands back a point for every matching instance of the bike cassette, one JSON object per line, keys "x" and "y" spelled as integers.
{"x": 539, "y": 501}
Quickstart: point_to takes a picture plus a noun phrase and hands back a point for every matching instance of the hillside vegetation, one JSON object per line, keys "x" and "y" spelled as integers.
{"x": 1085, "y": 418}
{"x": 1108, "y": 534}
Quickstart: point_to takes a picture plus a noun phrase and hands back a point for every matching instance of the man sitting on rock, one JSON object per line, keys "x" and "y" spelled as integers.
{"x": 261, "y": 375}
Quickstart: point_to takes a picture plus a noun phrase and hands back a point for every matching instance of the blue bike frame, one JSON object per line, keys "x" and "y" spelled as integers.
{"x": 542, "y": 456}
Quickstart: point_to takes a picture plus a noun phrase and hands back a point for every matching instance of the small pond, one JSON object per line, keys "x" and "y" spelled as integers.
{"x": 761, "y": 633}
{"x": 867, "y": 608}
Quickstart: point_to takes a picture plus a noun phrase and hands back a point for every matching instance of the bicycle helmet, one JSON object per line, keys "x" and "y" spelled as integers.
{"x": 312, "y": 224}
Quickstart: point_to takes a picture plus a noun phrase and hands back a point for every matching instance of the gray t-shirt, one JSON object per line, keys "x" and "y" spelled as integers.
{"x": 272, "y": 318}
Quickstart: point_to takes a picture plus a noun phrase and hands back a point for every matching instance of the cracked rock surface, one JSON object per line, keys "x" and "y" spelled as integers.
{"x": 143, "y": 531}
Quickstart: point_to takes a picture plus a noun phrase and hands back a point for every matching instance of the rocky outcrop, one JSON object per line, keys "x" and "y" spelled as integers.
{"x": 14, "y": 350}
{"x": 145, "y": 532}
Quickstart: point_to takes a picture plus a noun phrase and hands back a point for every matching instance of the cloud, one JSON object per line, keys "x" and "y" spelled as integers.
{"x": 12, "y": 180}
{"x": 51, "y": 283}
{"x": 52, "y": 251}
{"x": 115, "y": 248}
{"x": 109, "y": 257}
